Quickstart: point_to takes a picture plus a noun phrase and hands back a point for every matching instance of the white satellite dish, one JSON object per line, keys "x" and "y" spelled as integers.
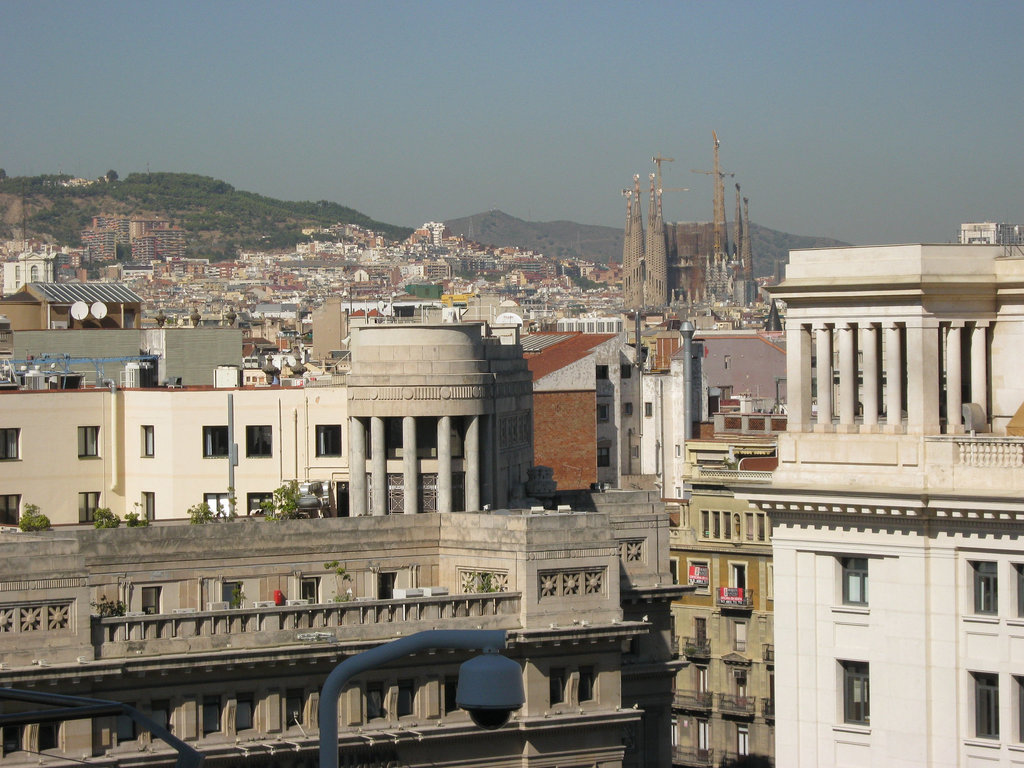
{"x": 79, "y": 310}
{"x": 98, "y": 310}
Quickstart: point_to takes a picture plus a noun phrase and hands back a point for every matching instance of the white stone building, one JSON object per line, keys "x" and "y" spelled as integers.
{"x": 898, "y": 569}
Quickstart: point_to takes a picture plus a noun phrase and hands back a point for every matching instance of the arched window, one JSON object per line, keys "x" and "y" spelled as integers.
{"x": 35, "y": 273}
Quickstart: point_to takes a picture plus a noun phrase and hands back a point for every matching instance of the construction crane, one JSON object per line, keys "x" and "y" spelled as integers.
{"x": 658, "y": 160}
{"x": 719, "y": 175}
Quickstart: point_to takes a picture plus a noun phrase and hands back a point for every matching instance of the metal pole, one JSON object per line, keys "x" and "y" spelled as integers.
{"x": 456, "y": 639}
{"x": 687, "y": 329}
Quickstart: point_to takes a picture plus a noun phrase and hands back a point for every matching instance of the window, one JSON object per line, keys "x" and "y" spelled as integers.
{"x": 700, "y": 632}
{"x": 986, "y": 705}
{"x": 602, "y": 412}
{"x": 749, "y": 532}
{"x": 855, "y": 580}
{"x": 9, "y": 506}
{"x": 701, "y": 678}
{"x": 740, "y": 636}
{"x": 151, "y": 600}
{"x": 451, "y": 686}
{"x": 88, "y": 501}
{"x": 1019, "y": 568}
{"x": 160, "y": 711}
{"x": 9, "y": 443}
{"x": 259, "y": 503}
{"x": 587, "y": 680}
{"x": 328, "y": 439}
{"x": 231, "y": 592}
{"x": 985, "y": 587}
{"x": 625, "y": 371}
{"x": 215, "y": 442}
{"x": 673, "y": 568}
{"x": 738, "y": 575}
{"x": 679, "y": 450}
{"x": 309, "y": 589}
{"x": 259, "y": 441}
{"x": 627, "y": 409}
{"x": 726, "y": 362}
{"x": 211, "y": 715}
{"x": 219, "y": 503}
{"x": 12, "y": 739}
{"x": 742, "y": 740}
{"x": 293, "y": 707}
{"x": 406, "y": 696}
{"x": 375, "y": 701}
{"x": 244, "y": 708}
{"x": 761, "y": 527}
{"x": 1019, "y": 684}
{"x": 126, "y": 730}
{"x": 648, "y": 409}
{"x": 149, "y": 505}
{"x": 604, "y": 456}
{"x": 48, "y": 732}
{"x": 556, "y": 685}
{"x": 148, "y": 441}
{"x": 856, "y": 694}
{"x": 705, "y": 519}
{"x": 602, "y": 372}
{"x": 703, "y": 739}
{"x": 88, "y": 442}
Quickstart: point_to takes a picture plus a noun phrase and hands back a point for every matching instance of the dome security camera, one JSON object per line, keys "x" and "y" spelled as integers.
{"x": 490, "y": 689}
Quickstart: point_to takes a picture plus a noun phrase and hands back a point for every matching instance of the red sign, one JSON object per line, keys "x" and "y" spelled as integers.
{"x": 730, "y": 595}
{"x": 699, "y": 575}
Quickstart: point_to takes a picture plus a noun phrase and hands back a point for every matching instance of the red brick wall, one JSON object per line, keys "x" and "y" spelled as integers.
{"x": 565, "y": 436}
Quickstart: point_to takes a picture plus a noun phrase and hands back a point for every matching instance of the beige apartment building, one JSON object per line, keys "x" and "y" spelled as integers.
{"x": 724, "y": 699}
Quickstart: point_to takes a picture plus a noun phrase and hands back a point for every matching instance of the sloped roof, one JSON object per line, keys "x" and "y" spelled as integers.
{"x": 69, "y": 293}
{"x": 566, "y": 349}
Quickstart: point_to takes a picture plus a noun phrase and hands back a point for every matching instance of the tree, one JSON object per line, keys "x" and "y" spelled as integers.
{"x": 341, "y": 575}
{"x": 135, "y": 520}
{"x": 200, "y": 513}
{"x": 33, "y": 520}
{"x": 104, "y": 518}
{"x": 111, "y": 175}
{"x": 286, "y": 502}
{"x": 107, "y": 608}
{"x": 3, "y": 175}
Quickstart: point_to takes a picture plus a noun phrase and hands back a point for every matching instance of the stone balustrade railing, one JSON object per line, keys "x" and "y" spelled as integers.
{"x": 730, "y": 475}
{"x": 989, "y": 451}
{"x": 119, "y": 636}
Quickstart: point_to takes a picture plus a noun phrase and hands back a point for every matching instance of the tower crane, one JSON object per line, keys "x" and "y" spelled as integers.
{"x": 658, "y": 160}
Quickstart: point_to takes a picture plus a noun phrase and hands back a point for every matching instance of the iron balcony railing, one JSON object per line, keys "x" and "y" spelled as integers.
{"x": 692, "y": 757}
{"x": 768, "y": 709}
{"x": 733, "y": 704}
{"x": 693, "y": 700}
{"x": 734, "y": 597}
{"x": 697, "y": 647}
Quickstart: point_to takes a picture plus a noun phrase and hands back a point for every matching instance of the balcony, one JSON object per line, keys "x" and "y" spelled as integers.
{"x": 732, "y": 704}
{"x": 737, "y": 598}
{"x": 723, "y": 475}
{"x": 697, "y": 647}
{"x": 768, "y": 653}
{"x": 120, "y": 636}
{"x": 750, "y": 423}
{"x": 690, "y": 757}
{"x": 768, "y": 709}
{"x": 700, "y": 701}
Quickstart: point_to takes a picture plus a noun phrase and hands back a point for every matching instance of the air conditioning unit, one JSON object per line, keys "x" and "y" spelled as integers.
{"x": 434, "y": 591}
{"x": 297, "y": 602}
{"x": 183, "y": 610}
{"x": 264, "y": 604}
{"x": 9, "y": 529}
{"x": 134, "y": 614}
{"x": 220, "y": 605}
{"x": 405, "y": 594}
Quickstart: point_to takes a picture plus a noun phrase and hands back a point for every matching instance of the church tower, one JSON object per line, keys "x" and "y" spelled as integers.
{"x": 634, "y": 267}
{"x": 656, "y": 289}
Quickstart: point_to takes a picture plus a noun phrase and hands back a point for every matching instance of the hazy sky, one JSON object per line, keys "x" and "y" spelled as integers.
{"x": 871, "y": 122}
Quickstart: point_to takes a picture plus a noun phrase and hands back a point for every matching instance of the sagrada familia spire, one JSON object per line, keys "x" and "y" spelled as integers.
{"x": 644, "y": 260}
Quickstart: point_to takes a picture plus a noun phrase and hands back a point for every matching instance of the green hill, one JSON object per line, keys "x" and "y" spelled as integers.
{"x": 219, "y": 218}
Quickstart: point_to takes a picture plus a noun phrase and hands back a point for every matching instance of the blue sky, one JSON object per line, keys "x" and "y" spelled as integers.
{"x": 870, "y": 122}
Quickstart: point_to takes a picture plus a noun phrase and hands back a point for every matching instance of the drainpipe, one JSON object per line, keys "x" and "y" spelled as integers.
{"x": 115, "y": 459}
{"x": 687, "y": 329}
{"x": 232, "y": 445}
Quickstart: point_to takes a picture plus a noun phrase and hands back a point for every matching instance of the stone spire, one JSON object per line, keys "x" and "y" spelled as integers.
{"x": 633, "y": 265}
{"x": 656, "y": 289}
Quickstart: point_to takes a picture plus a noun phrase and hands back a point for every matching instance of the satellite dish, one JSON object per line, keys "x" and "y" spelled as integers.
{"x": 79, "y": 310}
{"x": 98, "y": 310}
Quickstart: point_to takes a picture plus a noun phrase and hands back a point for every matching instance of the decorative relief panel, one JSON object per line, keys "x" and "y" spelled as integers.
{"x": 571, "y": 583}
{"x": 633, "y": 551}
{"x": 515, "y": 430}
{"x": 48, "y": 617}
{"x": 473, "y": 581}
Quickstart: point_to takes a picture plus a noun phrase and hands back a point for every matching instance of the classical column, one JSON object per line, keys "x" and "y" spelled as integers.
{"x": 893, "y": 379}
{"x": 488, "y": 448}
{"x": 444, "y": 464}
{"x": 823, "y": 342}
{"x": 409, "y": 464}
{"x": 357, "y": 466}
{"x": 954, "y": 380}
{"x": 979, "y": 367}
{"x": 923, "y": 377}
{"x": 378, "y": 466}
{"x": 798, "y": 376}
{"x": 473, "y": 464}
{"x": 869, "y": 346}
{"x": 847, "y": 377}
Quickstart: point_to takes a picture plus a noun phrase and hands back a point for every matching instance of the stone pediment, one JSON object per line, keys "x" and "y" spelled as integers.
{"x": 736, "y": 660}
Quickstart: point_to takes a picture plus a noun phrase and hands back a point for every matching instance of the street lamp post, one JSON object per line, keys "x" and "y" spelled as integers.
{"x": 489, "y": 700}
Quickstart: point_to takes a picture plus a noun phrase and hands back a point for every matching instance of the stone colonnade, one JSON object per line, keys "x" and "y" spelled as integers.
{"x": 890, "y": 369}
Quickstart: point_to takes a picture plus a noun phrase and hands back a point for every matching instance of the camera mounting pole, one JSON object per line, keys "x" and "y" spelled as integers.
{"x": 455, "y": 639}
